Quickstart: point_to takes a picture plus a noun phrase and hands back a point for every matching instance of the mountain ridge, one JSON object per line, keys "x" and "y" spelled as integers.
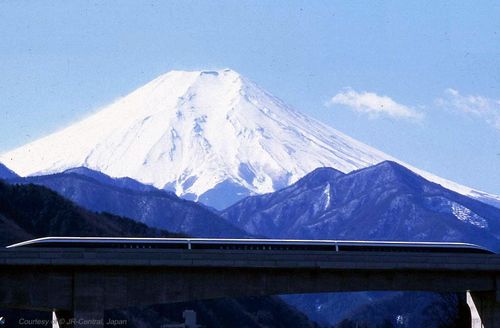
{"x": 29, "y": 211}
{"x": 6, "y": 173}
{"x": 98, "y": 192}
{"x": 210, "y": 136}
{"x": 386, "y": 201}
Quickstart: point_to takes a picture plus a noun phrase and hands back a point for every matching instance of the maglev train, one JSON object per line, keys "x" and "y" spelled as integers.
{"x": 251, "y": 244}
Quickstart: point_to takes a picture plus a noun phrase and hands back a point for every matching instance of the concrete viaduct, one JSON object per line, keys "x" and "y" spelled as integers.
{"x": 82, "y": 283}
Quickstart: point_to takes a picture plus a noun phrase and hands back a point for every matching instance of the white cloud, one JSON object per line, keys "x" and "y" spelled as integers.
{"x": 481, "y": 107}
{"x": 374, "y": 105}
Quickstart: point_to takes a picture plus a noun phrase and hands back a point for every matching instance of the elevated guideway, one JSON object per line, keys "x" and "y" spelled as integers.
{"x": 81, "y": 282}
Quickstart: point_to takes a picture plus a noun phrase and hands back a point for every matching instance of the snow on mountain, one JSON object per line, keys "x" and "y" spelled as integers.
{"x": 211, "y": 136}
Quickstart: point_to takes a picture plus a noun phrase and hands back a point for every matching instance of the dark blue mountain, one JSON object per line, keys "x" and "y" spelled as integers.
{"x": 126, "y": 183}
{"x": 382, "y": 202}
{"x": 372, "y": 309}
{"x": 98, "y": 192}
{"x": 28, "y": 211}
{"x": 412, "y": 310}
{"x": 6, "y": 173}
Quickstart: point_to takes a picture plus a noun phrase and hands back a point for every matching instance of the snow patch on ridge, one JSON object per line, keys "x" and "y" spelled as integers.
{"x": 466, "y": 215}
{"x": 461, "y": 212}
{"x": 327, "y": 196}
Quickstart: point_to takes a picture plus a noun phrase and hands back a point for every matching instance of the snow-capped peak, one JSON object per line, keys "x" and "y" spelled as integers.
{"x": 208, "y": 135}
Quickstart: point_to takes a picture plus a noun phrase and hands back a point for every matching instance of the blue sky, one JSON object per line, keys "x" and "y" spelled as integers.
{"x": 419, "y": 80}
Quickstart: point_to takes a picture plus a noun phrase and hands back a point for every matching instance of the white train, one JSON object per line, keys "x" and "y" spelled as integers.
{"x": 252, "y": 244}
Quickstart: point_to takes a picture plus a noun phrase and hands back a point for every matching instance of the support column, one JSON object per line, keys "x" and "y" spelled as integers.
{"x": 88, "y": 302}
{"x": 62, "y": 319}
{"x": 474, "y": 312}
{"x": 485, "y": 309}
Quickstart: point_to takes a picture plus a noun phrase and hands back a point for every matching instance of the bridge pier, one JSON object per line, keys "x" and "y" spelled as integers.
{"x": 88, "y": 300}
{"x": 485, "y": 309}
{"x": 63, "y": 319}
{"x": 88, "y": 303}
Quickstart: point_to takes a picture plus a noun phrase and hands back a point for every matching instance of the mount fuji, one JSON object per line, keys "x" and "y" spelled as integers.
{"x": 209, "y": 136}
